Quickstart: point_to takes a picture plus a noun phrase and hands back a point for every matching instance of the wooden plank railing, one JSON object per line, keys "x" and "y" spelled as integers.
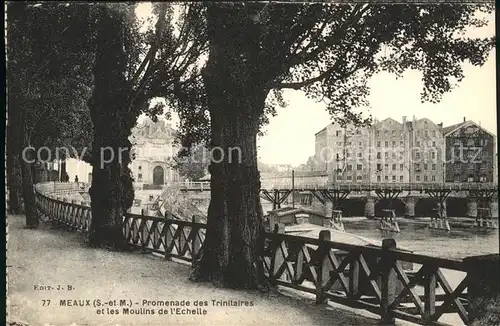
{"x": 369, "y": 278}
{"x": 364, "y": 277}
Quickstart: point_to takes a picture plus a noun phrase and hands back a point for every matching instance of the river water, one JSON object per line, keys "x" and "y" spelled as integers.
{"x": 417, "y": 237}
{"x": 455, "y": 244}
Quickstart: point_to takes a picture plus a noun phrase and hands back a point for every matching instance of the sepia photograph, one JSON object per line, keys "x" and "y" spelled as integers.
{"x": 251, "y": 163}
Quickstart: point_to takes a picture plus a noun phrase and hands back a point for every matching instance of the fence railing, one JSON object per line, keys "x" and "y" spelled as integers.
{"x": 365, "y": 277}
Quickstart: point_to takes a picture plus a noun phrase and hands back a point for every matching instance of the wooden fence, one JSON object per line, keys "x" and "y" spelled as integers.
{"x": 370, "y": 278}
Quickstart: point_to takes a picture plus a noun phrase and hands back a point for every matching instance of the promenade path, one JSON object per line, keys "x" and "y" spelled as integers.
{"x": 52, "y": 256}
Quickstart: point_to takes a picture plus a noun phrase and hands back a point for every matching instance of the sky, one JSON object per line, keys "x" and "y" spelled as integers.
{"x": 289, "y": 137}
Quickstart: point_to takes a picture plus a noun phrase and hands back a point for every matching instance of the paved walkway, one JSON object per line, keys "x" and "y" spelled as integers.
{"x": 56, "y": 257}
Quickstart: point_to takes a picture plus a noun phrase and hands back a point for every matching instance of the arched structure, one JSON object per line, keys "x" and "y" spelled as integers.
{"x": 158, "y": 175}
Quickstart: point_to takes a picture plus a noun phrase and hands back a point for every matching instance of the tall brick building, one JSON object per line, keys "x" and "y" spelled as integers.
{"x": 470, "y": 153}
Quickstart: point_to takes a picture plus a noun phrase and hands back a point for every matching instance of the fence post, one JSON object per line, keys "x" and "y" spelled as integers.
{"x": 354, "y": 276}
{"x": 196, "y": 242}
{"x": 324, "y": 266}
{"x": 388, "y": 281}
{"x": 483, "y": 285}
{"x": 168, "y": 238}
{"x": 277, "y": 256}
{"x": 73, "y": 214}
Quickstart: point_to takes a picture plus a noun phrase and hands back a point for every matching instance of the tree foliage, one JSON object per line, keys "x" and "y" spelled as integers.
{"x": 330, "y": 51}
{"x": 48, "y": 81}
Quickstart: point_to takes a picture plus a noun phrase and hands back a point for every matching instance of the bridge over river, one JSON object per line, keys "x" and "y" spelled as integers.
{"x": 480, "y": 195}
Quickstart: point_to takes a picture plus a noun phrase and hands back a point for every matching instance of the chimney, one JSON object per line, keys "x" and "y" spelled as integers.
{"x": 464, "y": 119}
{"x": 404, "y": 119}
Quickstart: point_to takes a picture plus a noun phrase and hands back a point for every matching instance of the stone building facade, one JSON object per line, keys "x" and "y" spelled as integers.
{"x": 387, "y": 151}
{"x": 470, "y": 153}
{"x": 154, "y": 148}
{"x": 344, "y": 152}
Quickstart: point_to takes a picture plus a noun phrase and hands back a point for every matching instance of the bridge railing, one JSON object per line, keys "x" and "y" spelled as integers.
{"x": 353, "y": 186}
{"x": 366, "y": 277}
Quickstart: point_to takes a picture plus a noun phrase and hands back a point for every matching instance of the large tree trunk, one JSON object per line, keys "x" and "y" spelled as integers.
{"x": 26, "y": 160}
{"x": 236, "y": 100}
{"x": 14, "y": 179}
{"x": 111, "y": 130}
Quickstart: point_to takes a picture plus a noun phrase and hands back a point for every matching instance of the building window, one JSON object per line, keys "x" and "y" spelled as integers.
{"x": 378, "y": 133}
{"x": 433, "y": 143}
{"x": 458, "y": 165}
{"x": 338, "y": 133}
{"x": 339, "y": 177}
{"x": 338, "y": 156}
{"x": 393, "y": 143}
{"x": 393, "y": 178}
{"x": 426, "y": 133}
{"x": 386, "y": 166}
{"x": 379, "y": 155}
{"x": 401, "y": 143}
{"x": 433, "y": 155}
{"x": 379, "y": 167}
{"x": 400, "y": 178}
{"x": 386, "y": 133}
{"x": 401, "y": 155}
{"x": 349, "y": 178}
{"x": 393, "y": 133}
{"x": 470, "y": 178}
{"x": 359, "y": 178}
{"x": 139, "y": 168}
{"x": 358, "y": 132}
{"x": 348, "y": 154}
{"x": 378, "y": 143}
{"x": 434, "y": 133}
{"x": 386, "y": 154}
{"x": 360, "y": 154}
{"x": 470, "y": 142}
{"x": 417, "y": 156}
{"x": 393, "y": 155}
{"x": 139, "y": 177}
{"x": 484, "y": 165}
{"x": 418, "y": 143}
{"x": 458, "y": 142}
{"x": 425, "y": 166}
{"x": 456, "y": 178}
{"x": 418, "y": 178}
{"x": 484, "y": 142}
{"x": 433, "y": 178}
{"x": 417, "y": 166}
{"x": 394, "y": 167}
{"x": 482, "y": 178}
{"x": 425, "y": 178}
{"x": 378, "y": 178}
{"x": 386, "y": 178}
{"x": 360, "y": 144}
{"x": 348, "y": 143}
{"x": 434, "y": 167}
{"x": 386, "y": 144}
{"x": 339, "y": 143}
{"x": 359, "y": 167}
{"x": 401, "y": 166}
{"x": 349, "y": 167}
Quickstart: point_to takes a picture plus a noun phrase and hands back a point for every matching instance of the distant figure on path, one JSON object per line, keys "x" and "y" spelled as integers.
{"x": 76, "y": 178}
